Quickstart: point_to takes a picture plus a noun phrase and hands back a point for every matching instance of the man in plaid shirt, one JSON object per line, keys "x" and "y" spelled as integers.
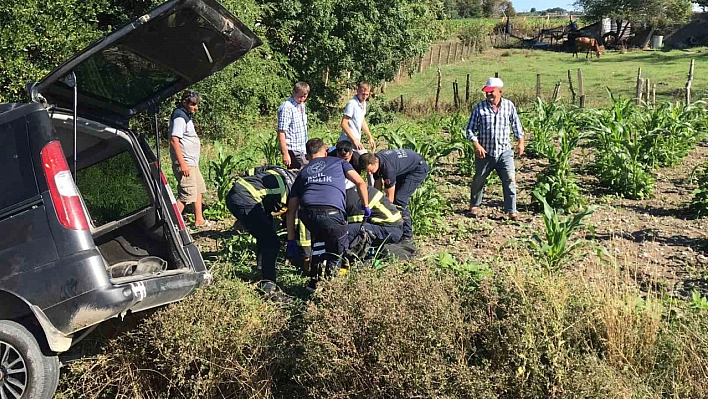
{"x": 292, "y": 127}
{"x": 489, "y": 127}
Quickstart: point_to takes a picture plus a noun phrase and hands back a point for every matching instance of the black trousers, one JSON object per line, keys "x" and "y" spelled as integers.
{"x": 259, "y": 224}
{"x": 405, "y": 187}
{"x": 328, "y": 229}
{"x": 379, "y": 233}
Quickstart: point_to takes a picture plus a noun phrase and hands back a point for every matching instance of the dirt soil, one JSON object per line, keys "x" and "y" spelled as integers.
{"x": 657, "y": 238}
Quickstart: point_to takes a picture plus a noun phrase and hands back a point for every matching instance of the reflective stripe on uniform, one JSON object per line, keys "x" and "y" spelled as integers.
{"x": 302, "y": 240}
{"x": 259, "y": 194}
{"x": 375, "y": 203}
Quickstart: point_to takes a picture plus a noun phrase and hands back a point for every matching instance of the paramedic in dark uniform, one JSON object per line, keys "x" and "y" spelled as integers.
{"x": 254, "y": 200}
{"x": 385, "y": 224}
{"x": 399, "y": 172}
{"x": 318, "y": 196}
{"x": 345, "y": 150}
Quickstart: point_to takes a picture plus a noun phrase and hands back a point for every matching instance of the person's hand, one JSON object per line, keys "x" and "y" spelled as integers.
{"x": 291, "y": 249}
{"x": 522, "y": 148}
{"x": 367, "y": 213}
{"x": 479, "y": 151}
{"x": 372, "y": 144}
{"x": 184, "y": 169}
{"x": 357, "y": 144}
{"x": 286, "y": 159}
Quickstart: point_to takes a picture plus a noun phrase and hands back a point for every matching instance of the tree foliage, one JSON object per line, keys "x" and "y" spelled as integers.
{"x": 655, "y": 13}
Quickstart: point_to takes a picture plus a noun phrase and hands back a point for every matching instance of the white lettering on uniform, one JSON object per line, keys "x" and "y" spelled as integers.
{"x": 319, "y": 178}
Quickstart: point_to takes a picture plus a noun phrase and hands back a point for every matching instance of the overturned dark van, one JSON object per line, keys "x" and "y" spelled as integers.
{"x": 89, "y": 228}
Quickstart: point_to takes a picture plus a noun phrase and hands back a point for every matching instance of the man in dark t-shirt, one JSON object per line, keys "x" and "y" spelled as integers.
{"x": 319, "y": 193}
{"x": 399, "y": 173}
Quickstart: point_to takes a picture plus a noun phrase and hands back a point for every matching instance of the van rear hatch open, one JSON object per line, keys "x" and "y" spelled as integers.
{"x": 136, "y": 67}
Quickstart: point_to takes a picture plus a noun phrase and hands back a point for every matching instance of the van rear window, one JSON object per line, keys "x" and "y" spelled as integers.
{"x": 113, "y": 188}
{"x": 17, "y": 180}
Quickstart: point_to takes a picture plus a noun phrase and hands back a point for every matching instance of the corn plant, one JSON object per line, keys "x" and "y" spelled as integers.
{"x": 556, "y": 183}
{"x": 541, "y": 123}
{"x": 554, "y": 246}
{"x": 619, "y": 148}
{"x": 426, "y": 205}
{"x": 457, "y": 126}
{"x": 668, "y": 133}
{"x": 430, "y": 146}
{"x": 222, "y": 171}
{"x": 270, "y": 147}
{"x": 699, "y": 204}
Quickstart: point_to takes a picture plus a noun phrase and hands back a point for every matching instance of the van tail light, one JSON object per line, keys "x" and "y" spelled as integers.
{"x": 62, "y": 189}
{"x": 180, "y": 220}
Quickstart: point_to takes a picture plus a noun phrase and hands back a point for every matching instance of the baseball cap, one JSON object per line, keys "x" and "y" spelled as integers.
{"x": 491, "y": 84}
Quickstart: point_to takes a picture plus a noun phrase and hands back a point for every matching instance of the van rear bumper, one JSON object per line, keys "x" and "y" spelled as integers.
{"x": 110, "y": 301}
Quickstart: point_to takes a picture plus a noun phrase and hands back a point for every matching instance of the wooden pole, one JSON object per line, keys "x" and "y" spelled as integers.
{"x": 538, "y": 85}
{"x": 439, "y": 53}
{"x": 653, "y": 95}
{"x": 690, "y": 82}
{"x": 581, "y": 92}
{"x": 401, "y": 104}
{"x": 437, "y": 94}
{"x": 383, "y": 88}
{"x": 454, "y": 55}
{"x": 496, "y": 74}
{"x": 640, "y": 86}
{"x": 326, "y": 79}
{"x": 556, "y": 90}
{"x": 420, "y": 64}
{"x": 647, "y": 91}
{"x": 467, "y": 90}
{"x": 454, "y": 93}
{"x": 570, "y": 82}
{"x": 430, "y": 61}
{"x": 449, "y": 51}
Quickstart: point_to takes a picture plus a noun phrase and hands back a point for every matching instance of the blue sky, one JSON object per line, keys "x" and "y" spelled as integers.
{"x": 525, "y": 5}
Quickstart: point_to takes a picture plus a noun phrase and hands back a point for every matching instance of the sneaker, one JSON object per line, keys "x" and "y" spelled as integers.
{"x": 272, "y": 292}
{"x": 474, "y": 212}
{"x": 514, "y": 216}
{"x": 408, "y": 241}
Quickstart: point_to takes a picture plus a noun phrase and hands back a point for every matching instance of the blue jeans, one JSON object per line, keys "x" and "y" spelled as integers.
{"x": 504, "y": 165}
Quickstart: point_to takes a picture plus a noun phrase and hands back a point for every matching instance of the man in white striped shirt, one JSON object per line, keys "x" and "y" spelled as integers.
{"x": 489, "y": 127}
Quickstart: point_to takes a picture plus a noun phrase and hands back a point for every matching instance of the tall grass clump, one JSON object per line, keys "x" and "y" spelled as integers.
{"x": 390, "y": 335}
{"x": 222, "y": 342}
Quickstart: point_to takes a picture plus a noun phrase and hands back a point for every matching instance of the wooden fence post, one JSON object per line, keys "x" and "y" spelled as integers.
{"x": 496, "y": 74}
{"x": 570, "y": 82}
{"x": 653, "y": 95}
{"x": 420, "y": 64}
{"x": 449, "y": 51}
{"x": 439, "y": 53}
{"x": 467, "y": 90}
{"x": 437, "y": 94}
{"x": 581, "y": 92}
{"x": 689, "y": 83}
{"x": 556, "y": 90}
{"x": 430, "y": 61}
{"x": 454, "y": 93}
{"x": 454, "y": 55}
{"x": 640, "y": 86}
{"x": 401, "y": 105}
{"x": 647, "y": 91}
{"x": 538, "y": 85}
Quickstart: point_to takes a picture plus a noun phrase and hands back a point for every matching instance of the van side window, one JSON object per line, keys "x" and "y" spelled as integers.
{"x": 112, "y": 188}
{"x": 17, "y": 180}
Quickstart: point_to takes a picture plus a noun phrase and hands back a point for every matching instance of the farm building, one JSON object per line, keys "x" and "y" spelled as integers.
{"x": 694, "y": 33}
{"x": 608, "y": 31}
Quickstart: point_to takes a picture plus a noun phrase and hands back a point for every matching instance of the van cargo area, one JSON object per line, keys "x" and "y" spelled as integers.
{"x": 126, "y": 220}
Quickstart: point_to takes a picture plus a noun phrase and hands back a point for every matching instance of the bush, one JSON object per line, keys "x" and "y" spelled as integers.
{"x": 221, "y": 342}
{"x": 398, "y": 334}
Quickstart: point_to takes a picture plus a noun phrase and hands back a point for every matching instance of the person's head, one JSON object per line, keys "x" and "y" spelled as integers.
{"x": 493, "y": 90}
{"x": 344, "y": 150}
{"x": 316, "y": 148}
{"x": 300, "y": 92}
{"x": 369, "y": 163}
{"x": 190, "y": 101}
{"x": 363, "y": 91}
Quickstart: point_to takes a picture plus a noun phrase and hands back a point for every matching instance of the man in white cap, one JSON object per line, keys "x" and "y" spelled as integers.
{"x": 489, "y": 126}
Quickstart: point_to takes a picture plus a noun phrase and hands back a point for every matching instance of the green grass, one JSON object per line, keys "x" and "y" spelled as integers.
{"x": 518, "y": 69}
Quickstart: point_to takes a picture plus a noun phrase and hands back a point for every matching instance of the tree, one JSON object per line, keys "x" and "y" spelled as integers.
{"x": 655, "y": 13}
{"x": 497, "y": 8}
{"x": 469, "y": 8}
{"x": 450, "y": 9}
{"x": 533, "y": 9}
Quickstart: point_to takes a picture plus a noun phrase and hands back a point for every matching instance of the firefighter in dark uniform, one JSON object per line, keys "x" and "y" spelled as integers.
{"x": 399, "y": 173}
{"x": 255, "y": 201}
{"x": 385, "y": 224}
{"x": 319, "y": 197}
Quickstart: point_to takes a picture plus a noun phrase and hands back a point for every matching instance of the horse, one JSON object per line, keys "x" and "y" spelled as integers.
{"x": 587, "y": 45}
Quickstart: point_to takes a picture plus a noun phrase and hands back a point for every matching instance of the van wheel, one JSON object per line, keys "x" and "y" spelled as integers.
{"x": 25, "y": 372}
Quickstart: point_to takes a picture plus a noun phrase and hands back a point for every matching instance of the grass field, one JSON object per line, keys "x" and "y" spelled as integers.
{"x": 518, "y": 69}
